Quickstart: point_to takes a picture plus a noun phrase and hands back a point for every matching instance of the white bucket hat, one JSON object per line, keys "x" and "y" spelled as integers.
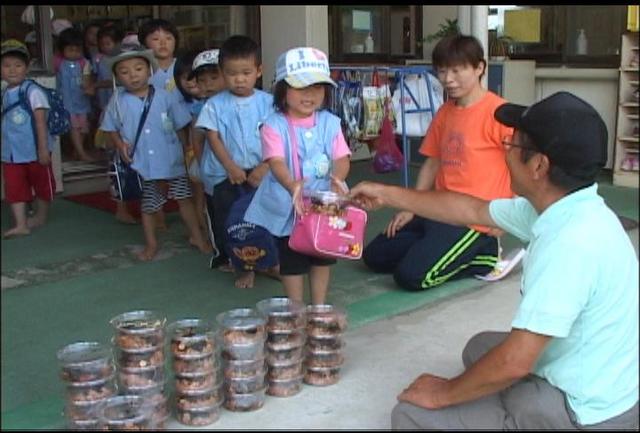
{"x": 205, "y": 58}
{"x": 303, "y": 66}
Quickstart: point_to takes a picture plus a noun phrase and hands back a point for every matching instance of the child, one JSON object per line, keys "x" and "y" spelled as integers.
{"x": 465, "y": 154}
{"x": 26, "y": 154}
{"x": 231, "y": 163}
{"x": 162, "y": 37}
{"x": 192, "y": 96}
{"x": 74, "y": 83}
{"x": 109, "y": 39}
{"x": 158, "y": 156}
{"x": 206, "y": 73}
{"x": 300, "y": 98}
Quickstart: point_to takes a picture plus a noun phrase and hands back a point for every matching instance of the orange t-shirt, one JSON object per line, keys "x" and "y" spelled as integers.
{"x": 468, "y": 143}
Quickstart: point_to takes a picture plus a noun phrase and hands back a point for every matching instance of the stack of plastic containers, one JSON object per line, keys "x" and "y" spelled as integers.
{"x": 323, "y": 358}
{"x": 139, "y": 351}
{"x": 285, "y": 324}
{"x": 198, "y": 386}
{"x": 242, "y": 332}
{"x": 89, "y": 375}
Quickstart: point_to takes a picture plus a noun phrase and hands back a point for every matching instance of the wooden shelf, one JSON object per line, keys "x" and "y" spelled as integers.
{"x": 627, "y": 147}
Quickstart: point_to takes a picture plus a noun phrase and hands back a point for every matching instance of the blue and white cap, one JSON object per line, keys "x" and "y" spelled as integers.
{"x": 205, "y": 58}
{"x": 303, "y": 66}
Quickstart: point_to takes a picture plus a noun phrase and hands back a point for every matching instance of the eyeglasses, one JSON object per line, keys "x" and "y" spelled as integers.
{"x": 507, "y": 141}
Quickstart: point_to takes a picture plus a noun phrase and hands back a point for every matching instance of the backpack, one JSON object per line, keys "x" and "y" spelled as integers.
{"x": 249, "y": 246}
{"x": 58, "y": 118}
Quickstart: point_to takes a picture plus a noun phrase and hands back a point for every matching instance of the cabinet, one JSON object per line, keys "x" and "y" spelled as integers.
{"x": 626, "y": 163}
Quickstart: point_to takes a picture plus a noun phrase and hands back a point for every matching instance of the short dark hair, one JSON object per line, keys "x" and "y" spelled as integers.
{"x": 557, "y": 176}
{"x": 156, "y": 24}
{"x": 111, "y": 31}
{"x": 280, "y": 96}
{"x": 183, "y": 65}
{"x": 239, "y": 46}
{"x": 18, "y": 55}
{"x": 70, "y": 37}
{"x": 458, "y": 50}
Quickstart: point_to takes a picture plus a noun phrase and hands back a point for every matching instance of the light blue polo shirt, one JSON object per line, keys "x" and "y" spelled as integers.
{"x": 580, "y": 286}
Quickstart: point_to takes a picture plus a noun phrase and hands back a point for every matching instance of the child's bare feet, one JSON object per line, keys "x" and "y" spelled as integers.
{"x": 126, "y": 218}
{"x": 204, "y": 246}
{"x": 148, "y": 253}
{"x": 16, "y": 231}
{"x": 34, "y": 222}
{"x": 245, "y": 280}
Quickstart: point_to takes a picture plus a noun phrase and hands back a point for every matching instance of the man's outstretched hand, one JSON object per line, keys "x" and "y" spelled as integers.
{"x": 369, "y": 195}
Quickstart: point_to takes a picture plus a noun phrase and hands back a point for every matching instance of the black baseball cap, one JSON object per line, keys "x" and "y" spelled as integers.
{"x": 565, "y": 128}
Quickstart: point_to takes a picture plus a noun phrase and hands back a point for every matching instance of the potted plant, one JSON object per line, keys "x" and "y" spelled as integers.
{"x": 448, "y": 28}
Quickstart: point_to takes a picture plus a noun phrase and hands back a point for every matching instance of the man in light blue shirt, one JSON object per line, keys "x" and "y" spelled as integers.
{"x": 571, "y": 358}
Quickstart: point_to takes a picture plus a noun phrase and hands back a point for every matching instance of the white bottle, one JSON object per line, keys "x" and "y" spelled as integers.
{"x": 368, "y": 44}
{"x": 581, "y": 43}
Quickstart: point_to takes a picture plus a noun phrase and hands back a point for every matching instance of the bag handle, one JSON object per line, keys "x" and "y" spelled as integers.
{"x": 294, "y": 151}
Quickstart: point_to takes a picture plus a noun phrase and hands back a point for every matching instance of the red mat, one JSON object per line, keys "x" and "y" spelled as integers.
{"x": 103, "y": 201}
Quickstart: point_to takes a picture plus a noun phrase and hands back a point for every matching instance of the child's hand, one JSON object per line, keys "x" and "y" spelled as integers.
{"x": 256, "y": 175}
{"x": 89, "y": 89}
{"x": 123, "y": 148}
{"x": 237, "y": 176}
{"x": 339, "y": 186}
{"x": 44, "y": 158}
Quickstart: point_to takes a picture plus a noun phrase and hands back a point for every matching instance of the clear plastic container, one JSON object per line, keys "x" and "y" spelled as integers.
{"x": 326, "y": 343}
{"x": 286, "y": 340}
{"x": 82, "y": 410}
{"x": 241, "y": 326}
{"x": 284, "y": 355}
{"x": 199, "y": 398}
{"x": 192, "y": 338}
{"x": 141, "y": 377}
{"x": 324, "y": 202}
{"x": 85, "y": 361}
{"x": 125, "y": 412}
{"x": 139, "y": 358}
{"x": 88, "y": 424}
{"x": 323, "y": 358}
{"x": 204, "y": 364}
{"x": 321, "y": 376}
{"x": 285, "y": 370}
{"x": 198, "y": 416}
{"x": 246, "y": 368}
{"x": 196, "y": 381}
{"x": 282, "y": 314}
{"x": 154, "y": 396}
{"x": 324, "y": 320}
{"x": 244, "y": 385}
{"x": 90, "y": 391}
{"x": 138, "y": 329}
{"x": 245, "y": 402}
{"x": 285, "y": 387}
{"x": 244, "y": 351}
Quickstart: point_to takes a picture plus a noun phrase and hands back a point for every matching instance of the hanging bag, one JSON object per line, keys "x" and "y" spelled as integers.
{"x": 328, "y": 228}
{"x": 388, "y": 157}
{"x": 125, "y": 181}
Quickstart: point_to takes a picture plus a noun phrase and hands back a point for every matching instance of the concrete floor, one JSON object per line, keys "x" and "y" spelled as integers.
{"x": 382, "y": 358}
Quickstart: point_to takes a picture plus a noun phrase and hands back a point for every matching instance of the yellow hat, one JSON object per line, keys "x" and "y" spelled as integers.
{"x": 14, "y": 45}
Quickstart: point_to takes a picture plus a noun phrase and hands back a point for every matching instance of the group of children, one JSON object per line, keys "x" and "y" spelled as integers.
{"x": 209, "y": 138}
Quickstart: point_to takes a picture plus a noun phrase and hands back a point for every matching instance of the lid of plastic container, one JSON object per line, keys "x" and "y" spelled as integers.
{"x": 135, "y": 322}
{"x": 325, "y": 197}
{"x": 124, "y": 409}
{"x": 280, "y": 306}
{"x": 83, "y": 352}
{"x": 191, "y": 330}
{"x": 240, "y": 318}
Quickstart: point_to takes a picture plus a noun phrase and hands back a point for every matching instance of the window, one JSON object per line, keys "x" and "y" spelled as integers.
{"x": 549, "y": 34}
{"x": 368, "y": 34}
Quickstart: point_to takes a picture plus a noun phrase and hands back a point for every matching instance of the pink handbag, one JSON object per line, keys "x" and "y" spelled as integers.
{"x": 331, "y": 235}
{"x": 327, "y": 228}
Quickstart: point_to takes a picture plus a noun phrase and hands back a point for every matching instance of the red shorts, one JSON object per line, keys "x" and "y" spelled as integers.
{"x": 21, "y": 180}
